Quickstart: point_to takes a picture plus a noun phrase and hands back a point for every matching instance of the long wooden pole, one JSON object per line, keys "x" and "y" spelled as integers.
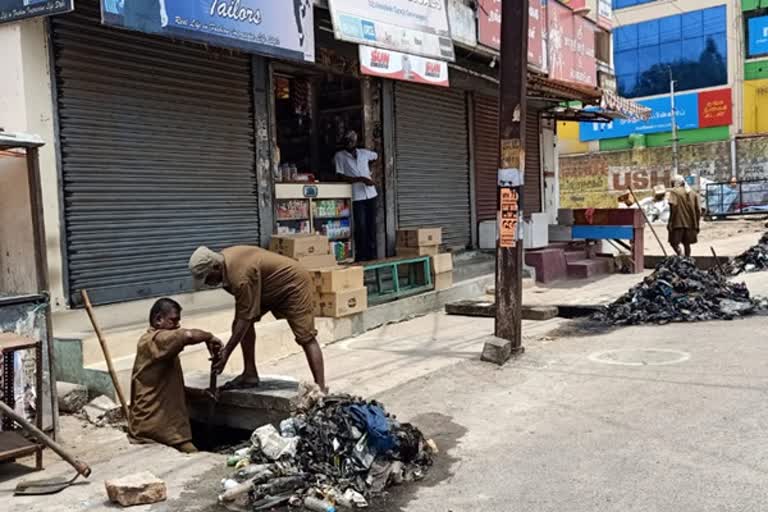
{"x": 81, "y": 467}
{"x": 634, "y": 198}
{"x": 105, "y": 350}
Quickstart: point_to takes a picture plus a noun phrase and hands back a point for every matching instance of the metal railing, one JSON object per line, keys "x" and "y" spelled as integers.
{"x": 737, "y": 198}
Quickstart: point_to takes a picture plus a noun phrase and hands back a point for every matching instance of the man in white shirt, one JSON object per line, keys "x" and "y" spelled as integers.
{"x": 352, "y": 166}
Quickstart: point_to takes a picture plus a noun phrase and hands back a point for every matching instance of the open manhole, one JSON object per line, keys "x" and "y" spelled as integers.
{"x": 640, "y": 357}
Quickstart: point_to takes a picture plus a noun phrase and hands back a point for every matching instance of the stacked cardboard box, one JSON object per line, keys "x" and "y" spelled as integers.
{"x": 312, "y": 251}
{"x": 340, "y": 291}
{"x": 426, "y": 242}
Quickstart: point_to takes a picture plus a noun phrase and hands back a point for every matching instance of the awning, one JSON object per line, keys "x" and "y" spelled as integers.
{"x": 568, "y": 101}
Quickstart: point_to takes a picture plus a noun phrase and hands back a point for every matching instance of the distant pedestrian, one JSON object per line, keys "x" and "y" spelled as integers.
{"x": 684, "y": 217}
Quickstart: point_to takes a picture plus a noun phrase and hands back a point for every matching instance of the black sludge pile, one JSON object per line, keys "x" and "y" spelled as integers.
{"x": 754, "y": 259}
{"x": 678, "y": 291}
{"x": 336, "y": 451}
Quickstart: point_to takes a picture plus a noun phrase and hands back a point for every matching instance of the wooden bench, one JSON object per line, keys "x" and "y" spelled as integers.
{"x": 416, "y": 267}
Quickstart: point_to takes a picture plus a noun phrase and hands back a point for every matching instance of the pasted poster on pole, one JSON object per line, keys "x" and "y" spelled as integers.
{"x": 401, "y": 66}
{"x": 571, "y": 45}
{"x": 283, "y": 29}
{"x": 509, "y": 217}
{"x": 415, "y": 27}
{"x": 13, "y": 10}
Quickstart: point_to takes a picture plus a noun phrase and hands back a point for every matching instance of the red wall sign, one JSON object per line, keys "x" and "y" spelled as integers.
{"x": 489, "y": 28}
{"x": 571, "y": 45}
{"x": 489, "y": 23}
{"x": 715, "y": 108}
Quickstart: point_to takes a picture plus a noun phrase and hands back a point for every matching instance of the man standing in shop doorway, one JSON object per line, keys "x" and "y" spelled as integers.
{"x": 352, "y": 166}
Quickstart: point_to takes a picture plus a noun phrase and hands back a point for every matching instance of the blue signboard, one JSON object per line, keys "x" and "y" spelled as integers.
{"x": 282, "y": 28}
{"x": 758, "y": 36}
{"x": 686, "y": 107}
{"x": 12, "y": 10}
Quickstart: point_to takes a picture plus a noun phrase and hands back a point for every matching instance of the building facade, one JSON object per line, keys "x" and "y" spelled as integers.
{"x": 712, "y": 51}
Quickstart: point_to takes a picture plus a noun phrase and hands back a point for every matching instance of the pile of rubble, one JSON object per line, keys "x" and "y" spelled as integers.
{"x": 337, "y": 451}
{"x": 754, "y": 259}
{"x": 678, "y": 291}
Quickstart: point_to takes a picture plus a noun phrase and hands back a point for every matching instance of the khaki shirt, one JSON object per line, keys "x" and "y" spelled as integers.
{"x": 158, "y": 402}
{"x": 263, "y": 281}
{"x": 684, "y": 209}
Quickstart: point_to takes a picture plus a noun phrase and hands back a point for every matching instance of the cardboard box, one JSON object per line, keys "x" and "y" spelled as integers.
{"x": 336, "y": 279}
{"x": 419, "y": 237}
{"x": 442, "y": 263}
{"x": 343, "y": 303}
{"x": 300, "y": 246}
{"x": 316, "y": 262}
{"x": 425, "y": 250}
{"x": 443, "y": 281}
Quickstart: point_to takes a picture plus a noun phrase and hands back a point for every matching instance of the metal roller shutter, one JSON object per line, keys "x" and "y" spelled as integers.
{"x": 157, "y": 156}
{"x": 486, "y": 155}
{"x": 431, "y": 144}
{"x": 532, "y": 188}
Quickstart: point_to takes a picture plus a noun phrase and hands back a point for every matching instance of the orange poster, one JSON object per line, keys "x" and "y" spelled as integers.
{"x": 508, "y": 218}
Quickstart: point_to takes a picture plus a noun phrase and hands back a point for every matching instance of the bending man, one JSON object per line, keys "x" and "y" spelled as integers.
{"x": 261, "y": 281}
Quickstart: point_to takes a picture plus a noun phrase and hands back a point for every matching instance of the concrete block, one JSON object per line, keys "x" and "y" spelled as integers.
{"x": 102, "y": 411}
{"x": 559, "y": 233}
{"x": 539, "y": 313}
{"x": 498, "y": 351}
{"x": 71, "y": 397}
{"x": 536, "y": 232}
{"x": 138, "y": 489}
{"x": 479, "y": 308}
{"x": 550, "y": 264}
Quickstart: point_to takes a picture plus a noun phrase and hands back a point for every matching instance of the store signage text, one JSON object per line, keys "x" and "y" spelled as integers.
{"x": 13, "y": 10}
{"x": 693, "y": 110}
{"x": 278, "y": 29}
{"x": 489, "y": 29}
{"x": 400, "y": 66}
{"x": 414, "y": 27}
{"x": 571, "y": 45}
{"x": 757, "y": 44}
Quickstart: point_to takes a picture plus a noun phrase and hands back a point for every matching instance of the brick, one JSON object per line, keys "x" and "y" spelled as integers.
{"x": 137, "y": 489}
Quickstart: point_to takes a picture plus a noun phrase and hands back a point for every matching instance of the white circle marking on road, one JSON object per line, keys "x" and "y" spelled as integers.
{"x": 613, "y": 356}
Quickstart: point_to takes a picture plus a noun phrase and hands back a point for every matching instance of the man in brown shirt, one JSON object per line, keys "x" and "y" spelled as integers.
{"x": 684, "y": 217}
{"x": 261, "y": 281}
{"x": 158, "y": 404}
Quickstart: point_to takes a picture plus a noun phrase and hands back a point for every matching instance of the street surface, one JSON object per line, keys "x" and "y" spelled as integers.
{"x": 651, "y": 418}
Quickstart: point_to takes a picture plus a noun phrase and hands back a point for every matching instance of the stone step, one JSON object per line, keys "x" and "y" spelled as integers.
{"x": 550, "y": 264}
{"x": 575, "y": 255}
{"x": 585, "y": 269}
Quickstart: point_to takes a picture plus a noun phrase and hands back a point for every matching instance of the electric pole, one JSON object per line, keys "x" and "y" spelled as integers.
{"x": 675, "y": 157}
{"x": 509, "y": 244}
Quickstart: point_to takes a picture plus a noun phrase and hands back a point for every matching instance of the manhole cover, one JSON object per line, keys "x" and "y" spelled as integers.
{"x": 640, "y": 357}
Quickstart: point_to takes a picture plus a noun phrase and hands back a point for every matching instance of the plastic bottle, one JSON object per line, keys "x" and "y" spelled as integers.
{"x": 317, "y": 505}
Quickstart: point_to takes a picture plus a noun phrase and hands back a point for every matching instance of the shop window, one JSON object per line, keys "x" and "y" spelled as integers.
{"x": 693, "y": 46}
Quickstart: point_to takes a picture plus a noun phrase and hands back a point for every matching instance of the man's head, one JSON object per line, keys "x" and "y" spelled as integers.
{"x": 207, "y": 267}
{"x": 659, "y": 191}
{"x": 350, "y": 139}
{"x": 165, "y": 314}
{"x": 678, "y": 182}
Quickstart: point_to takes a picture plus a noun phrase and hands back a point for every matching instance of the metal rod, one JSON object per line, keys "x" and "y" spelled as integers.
{"x": 634, "y": 198}
{"x": 81, "y": 467}
{"x": 105, "y": 350}
{"x": 717, "y": 261}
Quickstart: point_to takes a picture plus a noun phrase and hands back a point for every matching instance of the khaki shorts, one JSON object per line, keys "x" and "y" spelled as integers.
{"x": 686, "y": 236}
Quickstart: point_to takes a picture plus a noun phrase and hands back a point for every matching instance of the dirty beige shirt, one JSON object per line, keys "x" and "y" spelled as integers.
{"x": 684, "y": 209}
{"x": 158, "y": 404}
{"x": 263, "y": 281}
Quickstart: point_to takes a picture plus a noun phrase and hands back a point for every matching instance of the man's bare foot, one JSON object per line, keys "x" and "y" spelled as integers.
{"x": 243, "y": 381}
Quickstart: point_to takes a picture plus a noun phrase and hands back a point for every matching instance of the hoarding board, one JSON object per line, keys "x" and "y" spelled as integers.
{"x": 401, "y": 66}
{"x": 13, "y": 10}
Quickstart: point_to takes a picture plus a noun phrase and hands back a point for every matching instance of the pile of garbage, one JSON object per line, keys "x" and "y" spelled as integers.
{"x": 678, "y": 291}
{"x": 337, "y": 451}
{"x": 754, "y": 259}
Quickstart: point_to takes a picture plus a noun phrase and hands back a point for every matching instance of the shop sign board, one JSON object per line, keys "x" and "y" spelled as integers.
{"x": 758, "y": 36}
{"x": 415, "y": 27}
{"x": 462, "y": 21}
{"x": 13, "y": 10}
{"x": 693, "y": 110}
{"x": 277, "y": 29}
{"x": 571, "y": 44}
{"x": 401, "y": 66}
{"x": 605, "y": 14}
{"x": 489, "y": 23}
{"x": 489, "y": 29}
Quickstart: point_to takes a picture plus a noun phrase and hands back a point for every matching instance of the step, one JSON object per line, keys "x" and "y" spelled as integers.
{"x": 575, "y": 255}
{"x": 585, "y": 269}
{"x": 550, "y": 264}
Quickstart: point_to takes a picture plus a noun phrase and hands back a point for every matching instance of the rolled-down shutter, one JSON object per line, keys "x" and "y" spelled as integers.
{"x": 431, "y": 145}
{"x": 157, "y": 148}
{"x": 532, "y": 188}
{"x": 486, "y": 155}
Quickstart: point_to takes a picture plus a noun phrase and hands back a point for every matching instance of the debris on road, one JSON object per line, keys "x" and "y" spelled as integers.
{"x": 71, "y": 397}
{"x": 338, "y": 451}
{"x": 678, "y": 291}
{"x": 754, "y": 259}
{"x": 102, "y": 411}
{"x": 138, "y": 489}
